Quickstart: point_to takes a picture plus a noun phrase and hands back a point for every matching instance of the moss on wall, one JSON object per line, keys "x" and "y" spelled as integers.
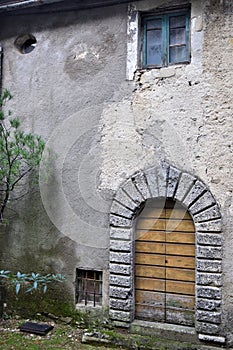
{"x": 31, "y": 304}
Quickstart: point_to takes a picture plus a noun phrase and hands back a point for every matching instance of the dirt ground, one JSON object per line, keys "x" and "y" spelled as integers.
{"x": 62, "y": 336}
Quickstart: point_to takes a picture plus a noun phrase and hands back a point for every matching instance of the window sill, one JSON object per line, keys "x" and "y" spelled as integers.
{"x": 155, "y": 73}
{"x": 178, "y": 64}
{"x": 88, "y": 306}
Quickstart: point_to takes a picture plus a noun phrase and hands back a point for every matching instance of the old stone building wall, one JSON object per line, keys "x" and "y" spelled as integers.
{"x": 77, "y": 67}
{"x": 104, "y": 121}
{"x": 182, "y": 114}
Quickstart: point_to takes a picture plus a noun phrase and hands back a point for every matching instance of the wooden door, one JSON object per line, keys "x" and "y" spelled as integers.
{"x": 165, "y": 264}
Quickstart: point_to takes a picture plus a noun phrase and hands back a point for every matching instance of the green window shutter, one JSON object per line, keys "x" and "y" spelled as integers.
{"x": 178, "y": 38}
{"x": 153, "y": 42}
{"x": 165, "y": 39}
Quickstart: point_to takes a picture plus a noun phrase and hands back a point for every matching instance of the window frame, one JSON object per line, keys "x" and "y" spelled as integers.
{"x": 165, "y": 17}
{"x": 85, "y": 295}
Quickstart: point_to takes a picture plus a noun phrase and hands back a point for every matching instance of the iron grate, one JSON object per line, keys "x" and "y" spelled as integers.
{"x": 89, "y": 287}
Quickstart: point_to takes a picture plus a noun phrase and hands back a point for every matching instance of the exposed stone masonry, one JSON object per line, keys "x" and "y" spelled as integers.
{"x": 168, "y": 182}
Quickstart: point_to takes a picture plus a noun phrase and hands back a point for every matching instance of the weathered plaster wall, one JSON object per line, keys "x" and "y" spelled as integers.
{"x": 59, "y": 91}
{"x": 217, "y": 127}
{"x": 181, "y": 114}
{"x": 72, "y": 89}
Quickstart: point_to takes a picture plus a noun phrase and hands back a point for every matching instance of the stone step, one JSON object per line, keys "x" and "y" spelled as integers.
{"x": 176, "y": 333}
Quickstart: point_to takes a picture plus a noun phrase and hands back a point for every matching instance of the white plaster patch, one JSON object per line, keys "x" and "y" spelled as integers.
{"x": 122, "y": 149}
{"x": 81, "y": 56}
{"x": 132, "y": 42}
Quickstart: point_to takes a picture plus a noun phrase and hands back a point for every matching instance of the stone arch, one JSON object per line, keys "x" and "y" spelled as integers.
{"x": 169, "y": 182}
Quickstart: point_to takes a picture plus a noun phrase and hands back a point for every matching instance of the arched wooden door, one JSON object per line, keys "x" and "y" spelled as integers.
{"x": 165, "y": 263}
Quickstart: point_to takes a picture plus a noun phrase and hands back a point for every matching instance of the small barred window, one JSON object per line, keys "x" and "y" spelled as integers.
{"x": 88, "y": 287}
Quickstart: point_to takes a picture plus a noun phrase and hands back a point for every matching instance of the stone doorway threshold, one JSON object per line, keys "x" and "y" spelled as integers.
{"x": 176, "y": 334}
{"x": 121, "y": 339}
{"x": 165, "y": 330}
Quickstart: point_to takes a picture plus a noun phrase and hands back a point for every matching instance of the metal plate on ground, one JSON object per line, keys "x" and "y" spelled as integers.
{"x": 35, "y": 328}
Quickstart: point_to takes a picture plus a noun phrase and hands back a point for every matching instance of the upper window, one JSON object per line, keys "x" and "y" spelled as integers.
{"x": 165, "y": 39}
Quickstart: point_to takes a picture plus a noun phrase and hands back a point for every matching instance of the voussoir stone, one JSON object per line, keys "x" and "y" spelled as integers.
{"x": 203, "y": 202}
{"x": 209, "y": 226}
{"x": 123, "y": 198}
{"x": 121, "y": 210}
{"x": 140, "y": 182}
{"x": 151, "y": 178}
{"x": 172, "y": 181}
{"x": 185, "y": 183}
{"x": 132, "y": 192}
{"x": 197, "y": 189}
{"x": 162, "y": 179}
{"x": 208, "y": 214}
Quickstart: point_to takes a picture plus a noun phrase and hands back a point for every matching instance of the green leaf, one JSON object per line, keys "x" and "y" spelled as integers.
{"x": 15, "y": 123}
{"x": 17, "y": 288}
{"x": 2, "y": 117}
{"x": 20, "y": 154}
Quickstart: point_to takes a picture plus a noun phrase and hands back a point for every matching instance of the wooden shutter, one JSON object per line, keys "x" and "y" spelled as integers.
{"x": 165, "y": 264}
{"x": 166, "y": 39}
{"x": 178, "y": 38}
{"x": 153, "y": 41}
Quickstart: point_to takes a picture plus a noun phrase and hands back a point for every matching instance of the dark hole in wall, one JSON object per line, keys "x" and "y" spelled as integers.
{"x": 25, "y": 43}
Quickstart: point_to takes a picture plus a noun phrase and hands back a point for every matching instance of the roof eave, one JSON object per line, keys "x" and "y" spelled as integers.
{"x": 15, "y": 5}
